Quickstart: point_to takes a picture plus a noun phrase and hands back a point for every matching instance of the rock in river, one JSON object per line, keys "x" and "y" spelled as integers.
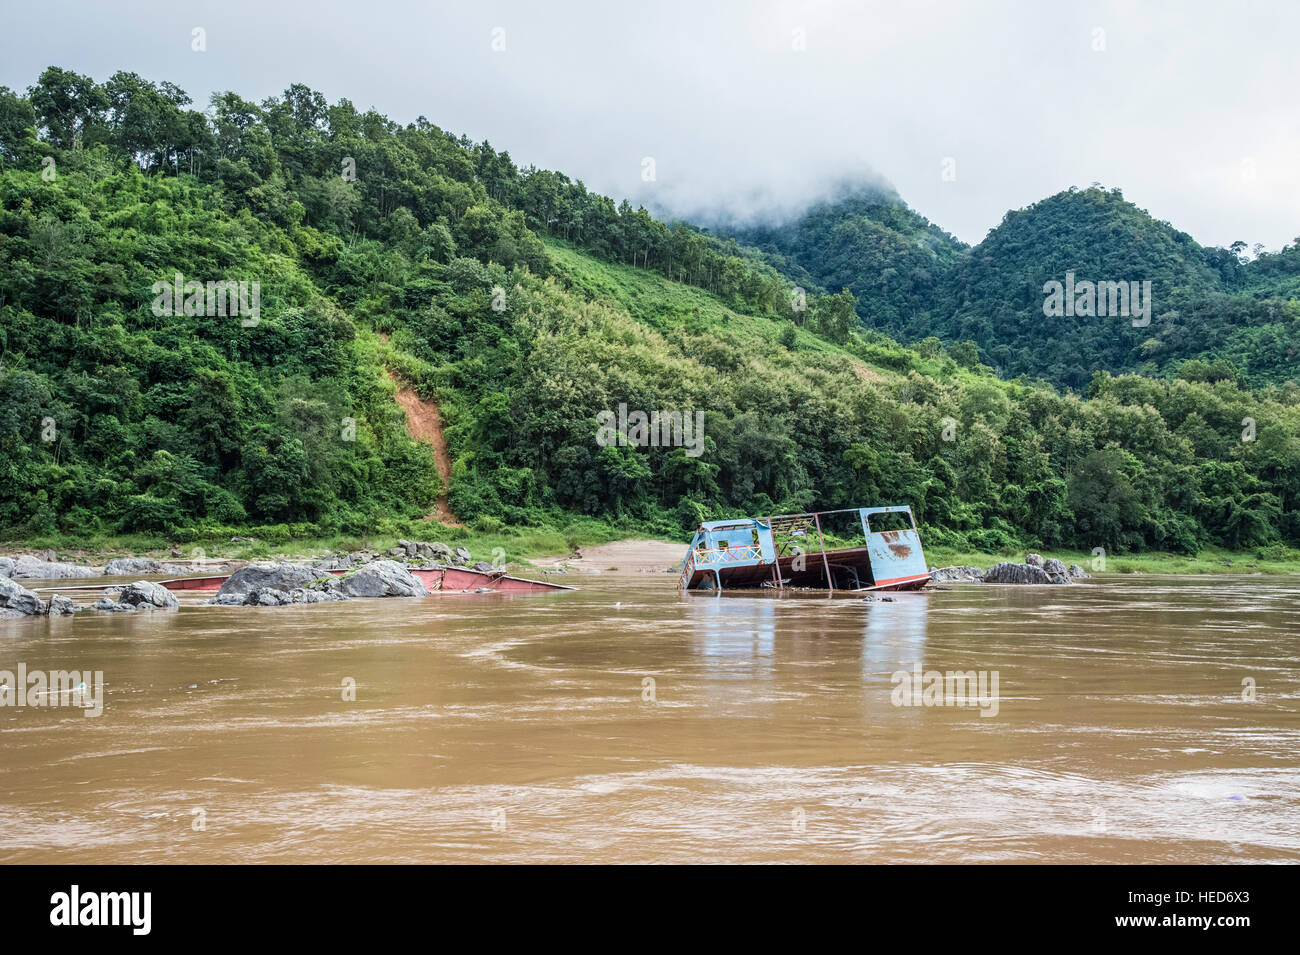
{"x": 1007, "y": 572}
{"x": 943, "y": 575}
{"x": 266, "y": 597}
{"x": 141, "y": 595}
{"x": 383, "y": 578}
{"x": 106, "y": 605}
{"x": 256, "y": 577}
{"x": 121, "y": 566}
{"x": 28, "y": 566}
{"x": 61, "y": 606}
{"x": 144, "y": 595}
{"x": 16, "y": 600}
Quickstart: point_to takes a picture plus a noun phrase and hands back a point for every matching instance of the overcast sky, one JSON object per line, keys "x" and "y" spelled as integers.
{"x": 1189, "y": 107}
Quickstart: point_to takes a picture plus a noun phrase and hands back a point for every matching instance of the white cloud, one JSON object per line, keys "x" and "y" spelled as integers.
{"x": 736, "y": 117}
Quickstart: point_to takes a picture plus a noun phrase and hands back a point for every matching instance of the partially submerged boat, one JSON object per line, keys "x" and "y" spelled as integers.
{"x": 871, "y": 548}
{"x": 437, "y": 580}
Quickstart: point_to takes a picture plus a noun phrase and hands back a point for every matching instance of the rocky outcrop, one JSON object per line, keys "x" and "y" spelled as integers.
{"x": 141, "y": 595}
{"x": 1008, "y": 572}
{"x": 6, "y": 566}
{"x": 1035, "y": 570}
{"x": 435, "y": 550}
{"x": 108, "y": 605}
{"x": 144, "y": 595}
{"x": 284, "y": 577}
{"x": 17, "y": 601}
{"x": 269, "y": 597}
{"x": 383, "y": 578}
{"x": 284, "y": 584}
{"x": 61, "y": 606}
{"x": 122, "y": 566}
{"x": 945, "y": 575}
{"x": 337, "y": 562}
{"x": 35, "y": 568}
{"x": 424, "y": 554}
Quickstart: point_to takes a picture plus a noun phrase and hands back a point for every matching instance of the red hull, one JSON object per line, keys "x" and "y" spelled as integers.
{"x": 452, "y": 579}
{"x": 196, "y": 583}
{"x": 456, "y": 578}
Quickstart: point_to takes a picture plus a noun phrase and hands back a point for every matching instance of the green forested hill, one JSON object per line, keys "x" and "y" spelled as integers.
{"x": 868, "y": 241}
{"x": 524, "y": 305}
{"x": 1199, "y": 309}
{"x": 1232, "y": 317}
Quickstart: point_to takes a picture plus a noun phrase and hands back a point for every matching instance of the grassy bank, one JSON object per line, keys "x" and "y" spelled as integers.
{"x": 518, "y": 545}
{"x": 1211, "y": 560}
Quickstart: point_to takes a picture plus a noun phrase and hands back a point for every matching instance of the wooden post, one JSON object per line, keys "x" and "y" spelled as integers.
{"x": 776, "y": 558}
{"x": 830, "y": 584}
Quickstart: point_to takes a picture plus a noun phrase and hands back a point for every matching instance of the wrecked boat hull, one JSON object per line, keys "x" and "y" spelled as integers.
{"x": 789, "y": 550}
{"x": 446, "y": 580}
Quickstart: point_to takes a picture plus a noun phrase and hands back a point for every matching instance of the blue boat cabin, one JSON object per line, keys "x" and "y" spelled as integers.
{"x": 854, "y": 549}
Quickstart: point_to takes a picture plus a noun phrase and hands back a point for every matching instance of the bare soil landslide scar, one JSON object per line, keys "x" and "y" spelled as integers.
{"x": 849, "y": 551}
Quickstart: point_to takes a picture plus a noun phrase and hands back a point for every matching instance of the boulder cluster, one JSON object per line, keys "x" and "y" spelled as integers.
{"x": 277, "y": 585}
{"x": 368, "y": 574}
{"x": 125, "y": 566}
{"x": 141, "y": 595}
{"x": 425, "y": 555}
{"x": 44, "y": 567}
{"x": 17, "y": 601}
{"x": 1035, "y": 570}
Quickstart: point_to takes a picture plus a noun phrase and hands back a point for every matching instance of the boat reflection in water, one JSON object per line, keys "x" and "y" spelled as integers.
{"x": 735, "y": 632}
{"x": 745, "y": 637}
{"x": 893, "y": 636}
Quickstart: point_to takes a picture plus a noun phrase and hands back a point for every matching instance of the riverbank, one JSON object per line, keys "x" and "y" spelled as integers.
{"x": 593, "y": 546}
{"x": 1275, "y": 560}
{"x": 516, "y": 547}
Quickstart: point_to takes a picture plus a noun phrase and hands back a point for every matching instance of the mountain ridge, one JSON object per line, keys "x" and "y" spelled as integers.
{"x": 524, "y": 306}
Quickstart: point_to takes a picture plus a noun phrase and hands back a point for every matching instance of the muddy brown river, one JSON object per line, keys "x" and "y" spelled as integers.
{"x": 1135, "y": 719}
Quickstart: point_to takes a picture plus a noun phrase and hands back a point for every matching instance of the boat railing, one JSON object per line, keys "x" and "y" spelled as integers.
{"x": 709, "y": 556}
{"x": 713, "y": 557}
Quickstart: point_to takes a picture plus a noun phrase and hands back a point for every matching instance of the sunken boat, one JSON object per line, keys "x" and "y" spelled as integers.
{"x": 446, "y": 580}
{"x": 851, "y": 550}
{"x": 437, "y": 580}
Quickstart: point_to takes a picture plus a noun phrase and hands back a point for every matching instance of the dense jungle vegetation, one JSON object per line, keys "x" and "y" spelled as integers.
{"x": 524, "y": 305}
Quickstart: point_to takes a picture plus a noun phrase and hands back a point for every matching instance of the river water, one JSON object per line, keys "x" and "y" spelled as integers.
{"x": 623, "y": 723}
